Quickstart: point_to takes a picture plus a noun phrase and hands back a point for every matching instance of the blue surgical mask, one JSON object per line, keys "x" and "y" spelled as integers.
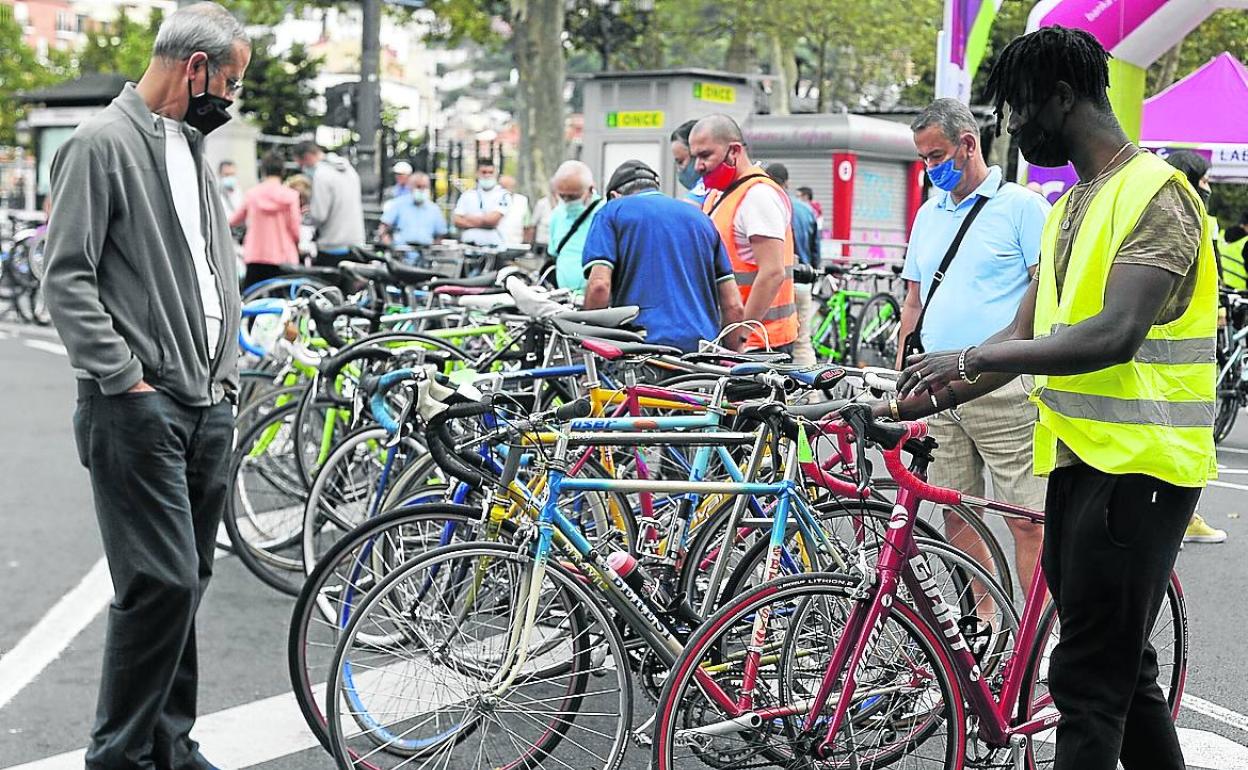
{"x": 420, "y": 195}
{"x": 487, "y": 183}
{"x": 945, "y": 176}
{"x": 689, "y": 175}
{"x": 574, "y": 208}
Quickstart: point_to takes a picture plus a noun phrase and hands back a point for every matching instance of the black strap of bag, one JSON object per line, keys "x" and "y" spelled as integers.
{"x": 730, "y": 189}
{"x": 913, "y": 343}
{"x": 575, "y": 226}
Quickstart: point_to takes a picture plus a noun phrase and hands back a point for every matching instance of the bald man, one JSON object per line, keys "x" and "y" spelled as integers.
{"x": 754, "y": 218}
{"x": 569, "y": 222}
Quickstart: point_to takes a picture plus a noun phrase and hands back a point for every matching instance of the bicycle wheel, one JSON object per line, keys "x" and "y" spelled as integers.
{"x": 266, "y": 500}
{"x": 875, "y": 342}
{"x": 907, "y": 710}
{"x": 348, "y": 571}
{"x": 1230, "y": 398}
{"x": 348, "y": 490}
{"x": 457, "y": 675}
{"x": 1169, "y": 641}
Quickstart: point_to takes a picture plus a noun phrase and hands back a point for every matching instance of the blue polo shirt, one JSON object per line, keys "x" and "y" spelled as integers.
{"x": 665, "y": 257}
{"x": 986, "y": 281}
{"x": 414, "y": 224}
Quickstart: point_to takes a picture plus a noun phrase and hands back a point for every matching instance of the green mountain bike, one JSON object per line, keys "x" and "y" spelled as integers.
{"x": 855, "y": 326}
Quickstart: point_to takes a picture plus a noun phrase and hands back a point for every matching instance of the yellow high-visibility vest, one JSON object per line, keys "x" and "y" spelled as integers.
{"x": 1154, "y": 414}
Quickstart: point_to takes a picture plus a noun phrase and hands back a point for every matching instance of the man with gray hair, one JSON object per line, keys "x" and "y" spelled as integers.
{"x": 570, "y": 221}
{"x": 142, "y": 287}
{"x": 973, "y": 251}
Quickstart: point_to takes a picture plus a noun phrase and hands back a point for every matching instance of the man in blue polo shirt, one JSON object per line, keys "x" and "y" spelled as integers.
{"x": 979, "y": 296}
{"x": 662, "y": 255}
{"x": 413, "y": 219}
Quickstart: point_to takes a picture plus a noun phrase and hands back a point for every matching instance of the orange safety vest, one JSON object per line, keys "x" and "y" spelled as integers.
{"x": 780, "y": 319}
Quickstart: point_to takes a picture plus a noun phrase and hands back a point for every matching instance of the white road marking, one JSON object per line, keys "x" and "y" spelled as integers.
{"x": 46, "y": 346}
{"x": 1204, "y": 749}
{"x": 243, "y": 736}
{"x": 1214, "y": 711}
{"x": 1228, "y": 485}
{"x": 1233, "y": 450}
{"x": 52, "y": 634}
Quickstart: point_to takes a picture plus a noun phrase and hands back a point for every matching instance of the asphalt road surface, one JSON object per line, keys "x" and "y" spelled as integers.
{"x": 55, "y": 587}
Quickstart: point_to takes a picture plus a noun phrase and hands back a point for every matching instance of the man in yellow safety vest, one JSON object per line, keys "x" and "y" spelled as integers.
{"x": 1119, "y": 328}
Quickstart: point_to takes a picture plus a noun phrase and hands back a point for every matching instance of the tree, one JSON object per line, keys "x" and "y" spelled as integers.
{"x": 279, "y": 95}
{"x": 123, "y": 46}
{"x": 1225, "y": 30}
{"x": 613, "y": 29}
{"x": 21, "y": 71}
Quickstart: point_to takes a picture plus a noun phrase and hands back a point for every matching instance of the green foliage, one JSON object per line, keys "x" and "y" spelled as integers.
{"x": 1225, "y": 30}
{"x": 277, "y": 92}
{"x": 615, "y": 31}
{"x": 123, "y": 46}
{"x": 21, "y": 71}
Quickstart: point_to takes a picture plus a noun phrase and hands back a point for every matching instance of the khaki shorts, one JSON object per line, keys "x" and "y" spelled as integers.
{"x": 992, "y": 433}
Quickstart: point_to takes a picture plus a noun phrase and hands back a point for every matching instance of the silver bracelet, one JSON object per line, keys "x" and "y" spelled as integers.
{"x": 962, "y": 366}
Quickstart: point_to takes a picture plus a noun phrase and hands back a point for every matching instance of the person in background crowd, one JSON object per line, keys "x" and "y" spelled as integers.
{"x": 571, "y": 221}
{"x": 413, "y": 219}
{"x": 806, "y": 247}
{"x": 336, "y": 209}
{"x": 808, "y": 197}
{"x": 1121, "y": 324}
{"x": 301, "y": 184}
{"x": 231, "y": 193}
{"x": 1235, "y": 238}
{"x": 662, "y": 255}
{"x": 479, "y": 211}
{"x": 686, "y": 169}
{"x": 272, "y": 214}
{"x": 1196, "y": 169}
{"x": 517, "y": 217}
{"x": 752, "y": 215}
{"x": 538, "y": 231}
{"x": 147, "y": 307}
{"x": 983, "y": 285}
{"x": 402, "y": 171}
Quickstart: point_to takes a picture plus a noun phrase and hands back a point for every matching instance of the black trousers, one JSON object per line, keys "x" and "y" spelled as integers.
{"x": 259, "y": 271}
{"x": 158, "y": 474}
{"x": 1109, "y": 545}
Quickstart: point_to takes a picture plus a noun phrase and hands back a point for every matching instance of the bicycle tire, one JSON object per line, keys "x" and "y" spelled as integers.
{"x": 287, "y": 485}
{"x": 874, "y": 341}
{"x": 682, "y": 694}
{"x": 308, "y": 616}
{"x": 597, "y": 652}
{"x": 1170, "y": 629}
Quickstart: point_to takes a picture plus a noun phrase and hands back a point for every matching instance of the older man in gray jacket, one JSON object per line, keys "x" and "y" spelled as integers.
{"x": 141, "y": 285}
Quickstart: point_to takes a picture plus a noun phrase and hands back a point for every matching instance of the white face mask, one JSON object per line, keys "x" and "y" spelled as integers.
{"x": 487, "y": 183}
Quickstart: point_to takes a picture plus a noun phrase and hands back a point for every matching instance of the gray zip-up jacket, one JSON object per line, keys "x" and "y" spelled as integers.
{"x": 120, "y": 283}
{"x": 336, "y": 207}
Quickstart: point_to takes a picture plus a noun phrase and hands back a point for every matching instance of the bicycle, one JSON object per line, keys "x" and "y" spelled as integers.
{"x": 853, "y": 326}
{"x": 888, "y": 676}
{"x": 1232, "y": 343}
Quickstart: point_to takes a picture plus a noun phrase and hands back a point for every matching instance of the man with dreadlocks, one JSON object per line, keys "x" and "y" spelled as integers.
{"x": 1119, "y": 326}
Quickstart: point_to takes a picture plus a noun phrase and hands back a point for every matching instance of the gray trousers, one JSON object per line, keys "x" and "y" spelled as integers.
{"x": 158, "y": 474}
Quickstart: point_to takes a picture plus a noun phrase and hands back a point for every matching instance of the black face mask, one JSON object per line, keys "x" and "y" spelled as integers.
{"x": 1204, "y": 195}
{"x": 206, "y": 112}
{"x": 1043, "y": 148}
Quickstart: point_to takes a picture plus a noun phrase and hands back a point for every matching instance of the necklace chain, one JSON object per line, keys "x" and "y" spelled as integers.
{"x": 1091, "y": 184}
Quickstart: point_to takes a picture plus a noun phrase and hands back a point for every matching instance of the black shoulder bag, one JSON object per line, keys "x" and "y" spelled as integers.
{"x": 913, "y": 344}
{"x": 575, "y": 226}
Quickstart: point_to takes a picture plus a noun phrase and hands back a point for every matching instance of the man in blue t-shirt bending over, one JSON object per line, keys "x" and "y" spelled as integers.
{"x": 662, "y": 255}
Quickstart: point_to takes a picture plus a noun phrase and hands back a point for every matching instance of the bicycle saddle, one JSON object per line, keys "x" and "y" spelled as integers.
{"x": 373, "y": 271}
{"x": 730, "y": 358}
{"x": 581, "y": 331}
{"x": 612, "y": 350}
{"x": 608, "y": 316}
{"x": 821, "y": 376}
{"x": 310, "y": 271}
{"x": 411, "y": 276}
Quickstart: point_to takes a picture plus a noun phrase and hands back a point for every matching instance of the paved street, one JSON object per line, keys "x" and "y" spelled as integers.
{"x": 55, "y": 588}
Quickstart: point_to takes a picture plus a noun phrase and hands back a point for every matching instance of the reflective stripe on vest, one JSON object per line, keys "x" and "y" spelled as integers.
{"x": 1172, "y": 414}
{"x": 780, "y": 319}
{"x": 1201, "y": 350}
{"x": 746, "y": 278}
{"x": 1151, "y": 415}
